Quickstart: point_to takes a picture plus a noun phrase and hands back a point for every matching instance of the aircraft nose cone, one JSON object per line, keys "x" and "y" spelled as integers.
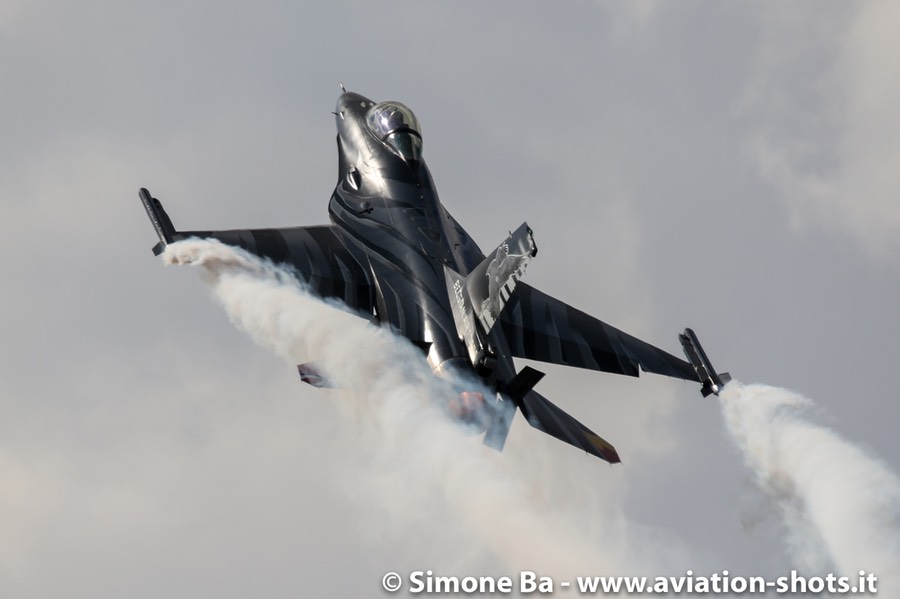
{"x": 351, "y": 101}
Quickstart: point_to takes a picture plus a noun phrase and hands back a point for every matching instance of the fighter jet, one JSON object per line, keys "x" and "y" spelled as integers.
{"x": 395, "y": 255}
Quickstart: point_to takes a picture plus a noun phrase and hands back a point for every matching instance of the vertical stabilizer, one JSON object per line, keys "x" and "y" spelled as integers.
{"x": 478, "y": 298}
{"x": 492, "y": 282}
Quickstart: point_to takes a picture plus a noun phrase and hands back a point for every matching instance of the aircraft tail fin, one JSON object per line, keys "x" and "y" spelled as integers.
{"x": 161, "y": 221}
{"x": 481, "y": 295}
{"x": 492, "y": 282}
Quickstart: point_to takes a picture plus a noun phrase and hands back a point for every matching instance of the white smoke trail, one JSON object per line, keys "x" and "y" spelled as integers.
{"x": 841, "y": 506}
{"x": 418, "y": 464}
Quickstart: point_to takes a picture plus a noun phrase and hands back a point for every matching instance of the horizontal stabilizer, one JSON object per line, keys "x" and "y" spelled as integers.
{"x": 544, "y": 416}
{"x": 501, "y": 413}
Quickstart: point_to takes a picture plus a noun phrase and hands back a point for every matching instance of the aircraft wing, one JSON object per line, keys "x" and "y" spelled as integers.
{"x": 540, "y": 327}
{"x": 319, "y": 254}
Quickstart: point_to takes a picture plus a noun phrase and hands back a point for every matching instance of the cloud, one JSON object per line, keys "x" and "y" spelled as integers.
{"x": 825, "y": 92}
{"x": 143, "y": 433}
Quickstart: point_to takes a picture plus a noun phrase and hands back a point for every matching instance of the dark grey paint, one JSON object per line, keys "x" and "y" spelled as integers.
{"x": 392, "y": 253}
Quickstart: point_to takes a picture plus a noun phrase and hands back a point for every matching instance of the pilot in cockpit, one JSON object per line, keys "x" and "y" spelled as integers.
{"x": 395, "y": 125}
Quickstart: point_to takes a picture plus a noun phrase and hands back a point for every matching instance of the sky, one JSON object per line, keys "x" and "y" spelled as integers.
{"x": 725, "y": 166}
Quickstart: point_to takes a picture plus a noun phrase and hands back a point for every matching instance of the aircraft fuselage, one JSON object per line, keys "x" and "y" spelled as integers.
{"x": 387, "y": 206}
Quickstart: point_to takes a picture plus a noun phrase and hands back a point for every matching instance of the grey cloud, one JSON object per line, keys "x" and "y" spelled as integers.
{"x": 149, "y": 448}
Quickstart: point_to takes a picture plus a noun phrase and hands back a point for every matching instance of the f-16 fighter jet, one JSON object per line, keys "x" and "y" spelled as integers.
{"x": 394, "y": 254}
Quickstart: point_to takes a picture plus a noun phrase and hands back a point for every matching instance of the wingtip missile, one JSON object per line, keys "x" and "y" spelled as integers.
{"x": 161, "y": 221}
{"x": 712, "y": 382}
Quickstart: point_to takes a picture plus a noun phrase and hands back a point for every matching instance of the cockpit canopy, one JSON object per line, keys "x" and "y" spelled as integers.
{"x": 395, "y": 125}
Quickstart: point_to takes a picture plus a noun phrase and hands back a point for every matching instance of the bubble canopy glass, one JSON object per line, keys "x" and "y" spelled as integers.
{"x": 395, "y": 125}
